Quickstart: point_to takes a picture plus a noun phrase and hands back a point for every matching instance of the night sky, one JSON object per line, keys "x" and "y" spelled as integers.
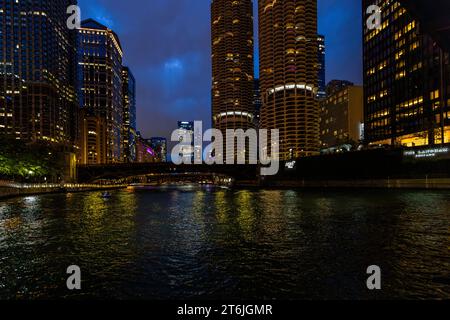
{"x": 167, "y": 46}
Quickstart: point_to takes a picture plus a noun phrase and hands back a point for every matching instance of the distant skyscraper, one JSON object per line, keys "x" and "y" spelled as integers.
{"x": 129, "y": 115}
{"x": 232, "y": 63}
{"x": 257, "y": 102}
{"x": 37, "y": 91}
{"x": 186, "y": 125}
{"x": 322, "y": 68}
{"x": 100, "y": 88}
{"x": 406, "y": 100}
{"x": 288, "y": 74}
{"x": 159, "y": 146}
{"x": 187, "y": 129}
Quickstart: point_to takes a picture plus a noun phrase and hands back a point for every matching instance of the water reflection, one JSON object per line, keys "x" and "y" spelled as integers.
{"x": 192, "y": 242}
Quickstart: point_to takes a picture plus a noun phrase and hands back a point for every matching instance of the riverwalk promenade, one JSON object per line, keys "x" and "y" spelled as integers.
{"x": 12, "y": 189}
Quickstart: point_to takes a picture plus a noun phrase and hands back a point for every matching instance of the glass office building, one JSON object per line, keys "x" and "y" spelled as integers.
{"x": 288, "y": 51}
{"x": 406, "y": 74}
{"x": 37, "y": 90}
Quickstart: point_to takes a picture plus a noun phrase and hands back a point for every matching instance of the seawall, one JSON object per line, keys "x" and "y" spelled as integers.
{"x": 10, "y": 190}
{"x": 432, "y": 184}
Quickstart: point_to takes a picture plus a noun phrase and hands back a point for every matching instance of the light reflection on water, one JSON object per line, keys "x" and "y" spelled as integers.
{"x": 182, "y": 243}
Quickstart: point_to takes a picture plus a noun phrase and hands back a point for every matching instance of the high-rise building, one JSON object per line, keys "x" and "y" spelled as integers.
{"x": 99, "y": 73}
{"x": 288, "y": 74}
{"x": 406, "y": 77}
{"x": 322, "y": 68}
{"x": 233, "y": 65}
{"x": 257, "y": 103}
{"x": 159, "y": 146}
{"x": 37, "y": 91}
{"x": 129, "y": 115}
{"x": 342, "y": 116}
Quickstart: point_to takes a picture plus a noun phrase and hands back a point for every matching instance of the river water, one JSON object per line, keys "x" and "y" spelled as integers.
{"x": 197, "y": 243}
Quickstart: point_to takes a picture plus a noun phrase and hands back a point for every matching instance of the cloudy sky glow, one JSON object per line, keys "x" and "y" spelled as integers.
{"x": 167, "y": 47}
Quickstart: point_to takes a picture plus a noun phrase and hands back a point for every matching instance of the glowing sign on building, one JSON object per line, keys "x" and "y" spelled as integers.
{"x": 428, "y": 153}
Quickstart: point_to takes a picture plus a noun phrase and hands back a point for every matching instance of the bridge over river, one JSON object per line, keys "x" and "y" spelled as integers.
{"x": 166, "y": 171}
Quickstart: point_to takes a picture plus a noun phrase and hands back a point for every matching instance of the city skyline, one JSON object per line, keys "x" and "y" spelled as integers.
{"x": 114, "y": 186}
{"x": 174, "y": 80}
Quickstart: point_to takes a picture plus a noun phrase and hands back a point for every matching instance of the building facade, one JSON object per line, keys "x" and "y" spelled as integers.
{"x": 37, "y": 89}
{"x": 335, "y": 86}
{"x": 406, "y": 76}
{"x": 159, "y": 146}
{"x": 322, "y": 68}
{"x": 289, "y": 74}
{"x": 129, "y": 115}
{"x": 100, "y": 86}
{"x": 342, "y": 117}
{"x": 93, "y": 138}
{"x": 144, "y": 151}
{"x": 233, "y": 65}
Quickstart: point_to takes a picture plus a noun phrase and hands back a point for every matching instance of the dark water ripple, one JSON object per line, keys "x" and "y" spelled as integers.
{"x": 193, "y": 243}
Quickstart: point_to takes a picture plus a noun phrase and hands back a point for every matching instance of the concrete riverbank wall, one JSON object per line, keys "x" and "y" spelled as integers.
{"x": 9, "y": 190}
{"x": 424, "y": 184}
{"x": 420, "y": 168}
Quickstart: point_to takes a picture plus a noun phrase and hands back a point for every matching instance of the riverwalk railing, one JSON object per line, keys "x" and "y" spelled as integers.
{"x": 10, "y": 189}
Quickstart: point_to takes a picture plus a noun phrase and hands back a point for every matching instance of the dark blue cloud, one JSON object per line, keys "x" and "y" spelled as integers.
{"x": 341, "y": 22}
{"x": 167, "y": 46}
